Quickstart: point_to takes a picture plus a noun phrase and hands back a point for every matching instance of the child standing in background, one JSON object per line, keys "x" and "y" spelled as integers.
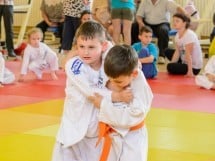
{"x": 125, "y": 132}
{"x": 147, "y": 52}
{"x": 207, "y": 80}
{"x": 6, "y": 76}
{"x": 38, "y": 57}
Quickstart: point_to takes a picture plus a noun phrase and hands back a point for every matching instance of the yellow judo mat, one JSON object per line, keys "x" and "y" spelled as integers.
{"x": 27, "y": 133}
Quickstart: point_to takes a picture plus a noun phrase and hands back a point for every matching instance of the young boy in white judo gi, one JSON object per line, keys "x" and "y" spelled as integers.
{"x": 78, "y": 132}
{"x": 121, "y": 122}
{"x": 38, "y": 57}
{"x": 6, "y": 76}
{"x": 207, "y": 79}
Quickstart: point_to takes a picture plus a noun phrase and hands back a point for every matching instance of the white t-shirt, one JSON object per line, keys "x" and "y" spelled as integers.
{"x": 156, "y": 13}
{"x": 196, "y": 55}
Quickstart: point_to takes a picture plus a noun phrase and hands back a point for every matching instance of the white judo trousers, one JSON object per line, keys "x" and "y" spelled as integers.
{"x": 39, "y": 60}
{"x": 202, "y": 80}
{"x": 6, "y": 76}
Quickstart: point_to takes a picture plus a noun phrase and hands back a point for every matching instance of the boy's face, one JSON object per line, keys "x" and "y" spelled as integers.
{"x": 122, "y": 82}
{"x": 35, "y": 39}
{"x": 90, "y": 51}
{"x": 145, "y": 38}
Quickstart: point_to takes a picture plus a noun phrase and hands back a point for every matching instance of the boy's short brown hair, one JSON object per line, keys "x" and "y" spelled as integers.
{"x": 145, "y": 29}
{"x": 120, "y": 60}
{"x": 90, "y": 30}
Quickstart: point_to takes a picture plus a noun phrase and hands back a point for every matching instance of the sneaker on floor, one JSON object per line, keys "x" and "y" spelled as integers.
{"x": 161, "y": 60}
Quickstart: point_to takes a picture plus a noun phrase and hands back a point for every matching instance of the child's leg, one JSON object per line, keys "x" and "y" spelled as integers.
{"x": 202, "y": 81}
{"x": 53, "y": 75}
{"x": 9, "y": 77}
{"x": 52, "y": 60}
{"x": 35, "y": 67}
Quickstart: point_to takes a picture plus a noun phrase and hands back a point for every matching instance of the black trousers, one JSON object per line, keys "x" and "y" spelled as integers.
{"x": 70, "y": 26}
{"x": 6, "y": 11}
{"x": 44, "y": 26}
{"x": 177, "y": 68}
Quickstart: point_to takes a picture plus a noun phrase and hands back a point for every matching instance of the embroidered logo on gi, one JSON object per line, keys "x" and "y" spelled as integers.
{"x": 76, "y": 66}
{"x": 100, "y": 82}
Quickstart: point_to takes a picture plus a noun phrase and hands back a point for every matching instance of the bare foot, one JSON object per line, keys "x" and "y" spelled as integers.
{"x": 1, "y": 85}
{"x": 54, "y": 76}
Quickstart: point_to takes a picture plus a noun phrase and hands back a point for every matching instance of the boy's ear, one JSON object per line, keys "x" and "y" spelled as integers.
{"x": 134, "y": 73}
{"x": 104, "y": 46}
{"x": 139, "y": 36}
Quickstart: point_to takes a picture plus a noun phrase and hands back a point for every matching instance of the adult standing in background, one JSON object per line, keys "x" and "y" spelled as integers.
{"x": 72, "y": 10}
{"x": 122, "y": 14}
{"x": 156, "y": 14}
{"x": 6, "y": 11}
{"x": 52, "y": 14}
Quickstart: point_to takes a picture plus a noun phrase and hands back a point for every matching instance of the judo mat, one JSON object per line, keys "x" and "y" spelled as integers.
{"x": 181, "y": 123}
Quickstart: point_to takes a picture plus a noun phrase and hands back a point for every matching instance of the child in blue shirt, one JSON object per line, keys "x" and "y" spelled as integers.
{"x": 147, "y": 52}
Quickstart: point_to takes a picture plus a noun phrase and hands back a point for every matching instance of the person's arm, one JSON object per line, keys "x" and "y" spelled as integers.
{"x": 86, "y": 2}
{"x": 179, "y": 9}
{"x": 175, "y": 56}
{"x": 148, "y": 59}
{"x": 25, "y": 63}
{"x": 173, "y": 7}
{"x": 153, "y": 51}
{"x": 139, "y": 20}
{"x": 75, "y": 72}
{"x": 140, "y": 14}
{"x": 126, "y": 115}
{"x": 188, "y": 59}
{"x": 46, "y": 19}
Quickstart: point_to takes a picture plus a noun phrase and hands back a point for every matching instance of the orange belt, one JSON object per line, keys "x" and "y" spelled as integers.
{"x": 104, "y": 131}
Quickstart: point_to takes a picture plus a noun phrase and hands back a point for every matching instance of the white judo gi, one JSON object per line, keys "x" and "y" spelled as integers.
{"x": 202, "y": 80}
{"x": 127, "y": 144}
{"x": 6, "y": 76}
{"x": 77, "y": 135}
{"x": 78, "y": 130}
{"x": 39, "y": 59}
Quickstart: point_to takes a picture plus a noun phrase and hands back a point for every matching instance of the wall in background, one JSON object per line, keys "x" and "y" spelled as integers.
{"x": 205, "y": 13}
{"x": 35, "y": 16}
{"x": 206, "y": 10}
